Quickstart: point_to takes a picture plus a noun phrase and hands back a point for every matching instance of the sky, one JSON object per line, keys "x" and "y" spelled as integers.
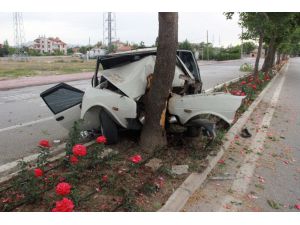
{"x": 78, "y": 28}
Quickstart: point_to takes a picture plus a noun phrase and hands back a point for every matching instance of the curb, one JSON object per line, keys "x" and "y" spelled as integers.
{"x": 22, "y": 82}
{"x": 226, "y": 83}
{"x": 178, "y": 199}
{"x": 9, "y": 170}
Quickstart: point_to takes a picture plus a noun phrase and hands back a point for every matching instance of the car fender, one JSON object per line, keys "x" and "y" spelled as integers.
{"x": 118, "y": 106}
{"x": 220, "y": 104}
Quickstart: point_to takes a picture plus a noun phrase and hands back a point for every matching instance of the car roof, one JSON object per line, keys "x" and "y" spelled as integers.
{"x": 115, "y": 59}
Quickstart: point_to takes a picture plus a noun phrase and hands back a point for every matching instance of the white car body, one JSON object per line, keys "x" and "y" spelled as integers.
{"x": 120, "y": 89}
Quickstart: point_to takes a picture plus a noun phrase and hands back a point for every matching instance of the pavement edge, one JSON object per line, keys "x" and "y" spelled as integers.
{"x": 180, "y": 196}
{"x": 9, "y": 170}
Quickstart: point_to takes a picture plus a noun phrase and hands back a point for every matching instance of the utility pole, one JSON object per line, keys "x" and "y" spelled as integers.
{"x": 242, "y": 44}
{"x": 207, "y": 49}
{"x": 19, "y": 36}
{"x": 109, "y": 28}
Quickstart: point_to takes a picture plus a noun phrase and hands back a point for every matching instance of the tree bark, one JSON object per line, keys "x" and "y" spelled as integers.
{"x": 278, "y": 60}
{"x": 260, "y": 43}
{"x": 269, "y": 57}
{"x": 273, "y": 57}
{"x": 153, "y": 133}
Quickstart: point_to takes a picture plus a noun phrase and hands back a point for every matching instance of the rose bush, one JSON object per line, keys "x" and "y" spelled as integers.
{"x": 65, "y": 205}
{"x": 38, "y": 172}
{"x": 101, "y": 139}
{"x": 73, "y": 159}
{"x": 44, "y": 143}
{"x": 105, "y": 178}
{"x": 79, "y": 150}
{"x": 63, "y": 188}
{"x": 136, "y": 159}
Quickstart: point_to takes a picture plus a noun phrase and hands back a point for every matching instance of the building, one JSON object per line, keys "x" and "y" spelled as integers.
{"x": 253, "y": 53}
{"x": 94, "y": 52}
{"x": 121, "y": 47}
{"x": 49, "y": 45}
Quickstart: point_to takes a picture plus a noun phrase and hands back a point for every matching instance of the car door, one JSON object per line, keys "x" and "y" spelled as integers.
{"x": 64, "y": 101}
{"x": 187, "y": 57}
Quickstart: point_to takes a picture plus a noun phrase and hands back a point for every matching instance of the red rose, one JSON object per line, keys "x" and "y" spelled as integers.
{"x": 221, "y": 161}
{"x": 79, "y": 150}
{"x": 63, "y": 188}
{"x": 38, "y": 172}
{"x": 254, "y": 87}
{"x": 44, "y": 144}
{"x": 297, "y": 206}
{"x": 243, "y": 82}
{"x": 65, "y": 205}
{"x": 233, "y": 92}
{"x": 243, "y": 94}
{"x": 136, "y": 159}
{"x": 73, "y": 159}
{"x": 101, "y": 139}
{"x": 105, "y": 178}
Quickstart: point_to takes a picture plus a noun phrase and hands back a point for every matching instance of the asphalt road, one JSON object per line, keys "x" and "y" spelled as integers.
{"x": 261, "y": 173}
{"x": 25, "y": 119}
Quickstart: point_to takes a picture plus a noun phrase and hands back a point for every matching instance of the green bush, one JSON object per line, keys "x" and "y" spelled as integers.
{"x": 227, "y": 56}
{"x": 246, "y": 67}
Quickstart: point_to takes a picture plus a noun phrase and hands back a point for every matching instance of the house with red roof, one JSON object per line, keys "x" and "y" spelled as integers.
{"x": 49, "y": 45}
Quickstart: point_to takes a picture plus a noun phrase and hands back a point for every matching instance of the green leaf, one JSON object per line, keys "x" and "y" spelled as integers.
{"x": 273, "y": 204}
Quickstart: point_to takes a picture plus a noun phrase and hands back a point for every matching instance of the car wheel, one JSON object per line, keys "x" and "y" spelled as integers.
{"x": 108, "y": 128}
{"x": 193, "y": 131}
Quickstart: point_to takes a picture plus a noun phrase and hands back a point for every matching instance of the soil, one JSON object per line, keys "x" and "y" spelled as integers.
{"x": 129, "y": 188}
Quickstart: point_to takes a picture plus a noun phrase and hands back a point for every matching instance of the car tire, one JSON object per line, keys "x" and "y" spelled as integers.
{"x": 108, "y": 128}
{"x": 193, "y": 131}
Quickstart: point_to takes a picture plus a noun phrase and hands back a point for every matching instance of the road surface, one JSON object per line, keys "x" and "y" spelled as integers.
{"x": 261, "y": 173}
{"x": 25, "y": 119}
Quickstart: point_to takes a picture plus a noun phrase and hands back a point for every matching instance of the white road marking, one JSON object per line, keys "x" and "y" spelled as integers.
{"x": 25, "y": 124}
{"x": 247, "y": 169}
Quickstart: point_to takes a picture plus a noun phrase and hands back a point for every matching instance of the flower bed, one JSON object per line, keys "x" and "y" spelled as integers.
{"x": 115, "y": 179}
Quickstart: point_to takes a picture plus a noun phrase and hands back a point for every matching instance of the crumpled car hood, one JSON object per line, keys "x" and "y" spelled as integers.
{"x": 131, "y": 78}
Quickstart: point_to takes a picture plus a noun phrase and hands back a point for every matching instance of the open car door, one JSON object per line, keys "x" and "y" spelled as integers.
{"x": 65, "y": 103}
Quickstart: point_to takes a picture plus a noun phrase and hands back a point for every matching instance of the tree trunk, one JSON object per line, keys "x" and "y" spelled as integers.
{"x": 153, "y": 133}
{"x": 278, "y": 58}
{"x": 269, "y": 57}
{"x": 273, "y": 57}
{"x": 260, "y": 43}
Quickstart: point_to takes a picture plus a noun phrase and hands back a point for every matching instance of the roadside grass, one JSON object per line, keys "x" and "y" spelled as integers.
{"x": 41, "y": 66}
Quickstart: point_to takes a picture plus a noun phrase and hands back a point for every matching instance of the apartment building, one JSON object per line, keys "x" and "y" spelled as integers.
{"x": 49, "y": 45}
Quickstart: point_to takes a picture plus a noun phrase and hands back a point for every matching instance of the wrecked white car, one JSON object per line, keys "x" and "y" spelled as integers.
{"x": 115, "y": 99}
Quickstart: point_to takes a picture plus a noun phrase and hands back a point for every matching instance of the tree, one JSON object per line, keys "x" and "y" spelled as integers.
{"x": 69, "y": 51}
{"x": 248, "y": 47}
{"x": 153, "y": 133}
{"x": 186, "y": 45}
{"x": 256, "y": 25}
{"x": 4, "y": 51}
{"x": 281, "y": 26}
{"x": 83, "y": 49}
{"x": 142, "y": 45}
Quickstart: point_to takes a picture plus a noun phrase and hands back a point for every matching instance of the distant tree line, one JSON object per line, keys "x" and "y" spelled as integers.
{"x": 207, "y": 51}
{"x": 277, "y": 32}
